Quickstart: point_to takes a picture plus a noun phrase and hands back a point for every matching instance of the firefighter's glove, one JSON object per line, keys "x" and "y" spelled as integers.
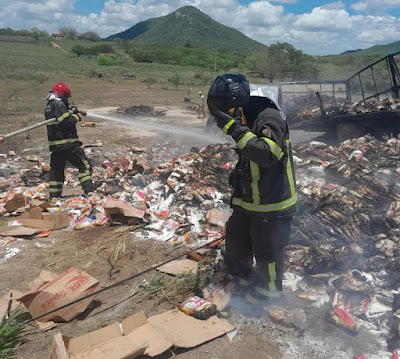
{"x": 226, "y": 122}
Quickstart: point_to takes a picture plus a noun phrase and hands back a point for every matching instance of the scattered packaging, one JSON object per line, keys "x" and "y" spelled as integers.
{"x": 198, "y": 308}
{"x": 63, "y": 289}
{"x": 140, "y": 335}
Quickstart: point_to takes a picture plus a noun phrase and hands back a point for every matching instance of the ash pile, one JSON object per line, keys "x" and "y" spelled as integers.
{"x": 141, "y": 111}
{"x": 344, "y": 250}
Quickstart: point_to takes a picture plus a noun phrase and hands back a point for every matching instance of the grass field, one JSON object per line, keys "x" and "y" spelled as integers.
{"x": 28, "y": 70}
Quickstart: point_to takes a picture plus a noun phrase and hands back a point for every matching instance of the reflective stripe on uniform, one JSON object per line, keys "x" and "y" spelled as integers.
{"x": 273, "y": 207}
{"x": 255, "y": 175}
{"x": 272, "y": 277}
{"x": 55, "y": 190}
{"x": 63, "y": 142}
{"x": 246, "y": 138}
{"x": 85, "y": 176}
{"x": 63, "y": 116}
{"x": 289, "y": 170}
{"x": 227, "y": 126}
{"x": 273, "y": 147}
{"x": 76, "y": 117}
{"x": 56, "y": 183}
{"x": 84, "y": 179}
{"x": 266, "y": 293}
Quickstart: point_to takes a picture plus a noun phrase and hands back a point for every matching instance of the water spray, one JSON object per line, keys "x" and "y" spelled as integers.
{"x": 151, "y": 124}
{"x": 145, "y": 123}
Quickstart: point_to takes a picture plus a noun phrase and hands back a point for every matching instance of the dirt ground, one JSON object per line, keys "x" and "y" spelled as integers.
{"x": 21, "y": 261}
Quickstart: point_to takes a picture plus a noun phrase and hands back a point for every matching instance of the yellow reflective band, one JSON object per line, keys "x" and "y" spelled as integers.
{"x": 63, "y": 142}
{"x": 84, "y": 174}
{"x": 56, "y": 183}
{"x": 84, "y": 179}
{"x": 272, "y": 277}
{"x": 255, "y": 175}
{"x": 227, "y": 126}
{"x": 246, "y": 138}
{"x": 76, "y": 117}
{"x": 54, "y": 190}
{"x": 289, "y": 170}
{"x": 274, "y": 148}
{"x": 63, "y": 116}
{"x": 273, "y": 207}
{"x": 267, "y": 293}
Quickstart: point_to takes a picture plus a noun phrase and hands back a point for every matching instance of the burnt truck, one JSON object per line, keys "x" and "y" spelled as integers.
{"x": 367, "y": 102}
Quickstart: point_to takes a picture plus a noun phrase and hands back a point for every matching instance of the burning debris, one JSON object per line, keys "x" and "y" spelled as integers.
{"x": 141, "y": 111}
{"x": 344, "y": 256}
{"x": 306, "y": 108}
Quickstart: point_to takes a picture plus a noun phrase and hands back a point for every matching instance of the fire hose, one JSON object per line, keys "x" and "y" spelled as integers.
{"x": 39, "y": 124}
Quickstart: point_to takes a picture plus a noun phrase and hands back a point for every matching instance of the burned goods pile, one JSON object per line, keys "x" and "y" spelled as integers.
{"x": 345, "y": 241}
{"x": 306, "y": 108}
{"x": 141, "y": 110}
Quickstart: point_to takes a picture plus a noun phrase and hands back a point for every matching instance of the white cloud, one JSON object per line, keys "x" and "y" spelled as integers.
{"x": 326, "y": 29}
{"x": 334, "y": 5}
{"x": 326, "y": 19}
{"x": 375, "y": 7}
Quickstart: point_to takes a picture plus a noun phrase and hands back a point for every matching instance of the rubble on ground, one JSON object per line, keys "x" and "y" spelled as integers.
{"x": 307, "y": 108}
{"x": 344, "y": 254}
{"x": 141, "y": 110}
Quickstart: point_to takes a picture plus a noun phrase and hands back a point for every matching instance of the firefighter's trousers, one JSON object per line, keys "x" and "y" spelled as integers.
{"x": 76, "y": 157}
{"x": 251, "y": 236}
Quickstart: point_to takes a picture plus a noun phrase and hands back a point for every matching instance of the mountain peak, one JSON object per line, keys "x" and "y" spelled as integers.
{"x": 188, "y": 25}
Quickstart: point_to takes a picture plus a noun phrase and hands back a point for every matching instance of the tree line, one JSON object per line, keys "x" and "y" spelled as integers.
{"x": 64, "y": 32}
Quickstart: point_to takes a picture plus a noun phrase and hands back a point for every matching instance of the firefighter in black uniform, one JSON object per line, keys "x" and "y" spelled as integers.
{"x": 264, "y": 187}
{"x": 64, "y": 142}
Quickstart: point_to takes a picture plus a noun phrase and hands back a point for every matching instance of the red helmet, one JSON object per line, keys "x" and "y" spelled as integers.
{"x": 60, "y": 88}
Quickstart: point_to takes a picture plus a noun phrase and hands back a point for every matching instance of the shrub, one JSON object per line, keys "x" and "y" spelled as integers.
{"x": 105, "y": 60}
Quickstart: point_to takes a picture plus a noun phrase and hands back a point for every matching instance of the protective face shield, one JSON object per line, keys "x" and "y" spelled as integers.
{"x": 228, "y": 91}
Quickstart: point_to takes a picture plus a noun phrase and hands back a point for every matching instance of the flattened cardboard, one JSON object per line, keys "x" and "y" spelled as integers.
{"x": 58, "y": 350}
{"x": 187, "y": 332}
{"x": 116, "y": 206}
{"x": 48, "y": 221}
{"x": 72, "y": 191}
{"x": 43, "y": 278}
{"x": 9, "y": 303}
{"x": 17, "y": 202}
{"x": 19, "y": 231}
{"x": 65, "y": 288}
{"x": 179, "y": 266}
{"x": 151, "y": 337}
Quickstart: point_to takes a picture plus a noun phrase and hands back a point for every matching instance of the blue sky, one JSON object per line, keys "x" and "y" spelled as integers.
{"x": 317, "y": 27}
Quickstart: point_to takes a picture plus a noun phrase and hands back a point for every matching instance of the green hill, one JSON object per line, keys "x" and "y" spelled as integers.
{"x": 189, "y": 27}
{"x": 382, "y": 49}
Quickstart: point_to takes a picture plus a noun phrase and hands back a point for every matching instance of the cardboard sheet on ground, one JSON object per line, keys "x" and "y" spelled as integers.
{"x": 140, "y": 335}
{"x": 19, "y": 231}
{"x": 65, "y": 288}
{"x": 179, "y": 266}
{"x": 116, "y": 206}
{"x": 9, "y": 303}
{"x": 34, "y": 217}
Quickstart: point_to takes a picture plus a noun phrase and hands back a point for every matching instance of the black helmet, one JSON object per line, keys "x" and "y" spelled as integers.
{"x": 228, "y": 91}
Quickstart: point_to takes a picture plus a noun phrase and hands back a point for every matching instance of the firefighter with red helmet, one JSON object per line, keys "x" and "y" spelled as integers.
{"x": 264, "y": 185}
{"x": 64, "y": 142}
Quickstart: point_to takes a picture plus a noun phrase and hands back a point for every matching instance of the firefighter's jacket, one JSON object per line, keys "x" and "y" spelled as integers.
{"x": 62, "y": 133}
{"x": 264, "y": 180}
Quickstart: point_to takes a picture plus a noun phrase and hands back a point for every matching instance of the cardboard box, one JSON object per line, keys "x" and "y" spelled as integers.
{"x": 140, "y": 335}
{"x": 35, "y": 218}
{"x": 17, "y": 202}
{"x": 116, "y": 208}
{"x": 65, "y": 288}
